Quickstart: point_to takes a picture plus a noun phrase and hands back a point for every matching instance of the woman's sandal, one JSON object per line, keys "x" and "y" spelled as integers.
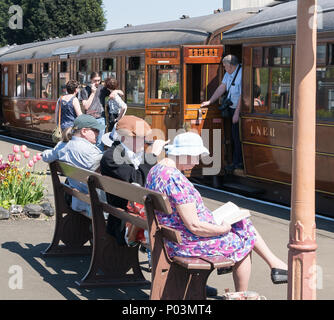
{"x": 279, "y": 276}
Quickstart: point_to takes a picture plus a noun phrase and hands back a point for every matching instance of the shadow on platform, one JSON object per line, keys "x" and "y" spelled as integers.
{"x": 62, "y": 272}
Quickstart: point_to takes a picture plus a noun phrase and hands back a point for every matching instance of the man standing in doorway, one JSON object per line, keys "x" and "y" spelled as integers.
{"x": 93, "y": 100}
{"x": 233, "y": 72}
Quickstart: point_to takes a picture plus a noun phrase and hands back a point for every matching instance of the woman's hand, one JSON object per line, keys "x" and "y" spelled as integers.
{"x": 226, "y": 227}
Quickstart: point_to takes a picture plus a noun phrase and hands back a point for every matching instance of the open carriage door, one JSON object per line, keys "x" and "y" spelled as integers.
{"x": 202, "y": 75}
{"x": 162, "y": 85}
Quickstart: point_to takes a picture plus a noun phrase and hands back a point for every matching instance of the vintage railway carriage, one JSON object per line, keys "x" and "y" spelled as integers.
{"x": 268, "y": 45}
{"x": 165, "y": 69}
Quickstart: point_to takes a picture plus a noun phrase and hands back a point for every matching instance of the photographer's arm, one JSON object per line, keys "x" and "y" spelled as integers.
{"x": 218, "y": 93}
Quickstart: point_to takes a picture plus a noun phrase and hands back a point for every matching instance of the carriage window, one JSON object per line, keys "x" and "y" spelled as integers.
{"x": 19, "y": 79}
{"x": 46, "y": 85}
{"x": 84, "y": 70}
{"x": 108, "y": 68}
{"x": 4, "y": 87}
{"x": 135, "y": 80}
{"x": 272, "y": 81}
{"x": 321, "y": 54}
{"x": 46, "y": 81}
{"x": 280, "y": 91}
{"x": 260, "y": 89}
{"x": 63, "y": 78}
{"x": 279, "y": 56}
{"x": 30, "y": 81}
{"x": 63, "y": 66}
{"x": 325, "y": 93}
{"x": 164, "y": 82}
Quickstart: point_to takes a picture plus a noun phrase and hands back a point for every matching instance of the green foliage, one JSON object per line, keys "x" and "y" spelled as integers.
{"x": 280, "y": 111}
{"x": 321, "y": 113}
{"x": 44, "y": 19}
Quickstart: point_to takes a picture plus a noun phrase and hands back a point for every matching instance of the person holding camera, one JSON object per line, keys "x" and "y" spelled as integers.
{"x": 232, "y": 84}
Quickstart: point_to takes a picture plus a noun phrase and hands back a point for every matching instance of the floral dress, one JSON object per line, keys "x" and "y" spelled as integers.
{"x": 235, "y": 244}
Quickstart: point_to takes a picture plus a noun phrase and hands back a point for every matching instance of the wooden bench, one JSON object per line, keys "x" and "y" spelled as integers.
{"x": 178, "y": 278}
{"x": 115, "y": 265}
{"x": 111, "y": 264}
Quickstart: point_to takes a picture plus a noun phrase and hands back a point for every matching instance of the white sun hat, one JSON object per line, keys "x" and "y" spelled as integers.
{"x": 188, "y": 143}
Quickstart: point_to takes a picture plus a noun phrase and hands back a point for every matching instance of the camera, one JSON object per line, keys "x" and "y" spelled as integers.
{"x": 225, "y": 104}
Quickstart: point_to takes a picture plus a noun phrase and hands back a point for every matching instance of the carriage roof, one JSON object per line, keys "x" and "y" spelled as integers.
{"x": 279, "y": 21}
{"x": 164, "y": 34}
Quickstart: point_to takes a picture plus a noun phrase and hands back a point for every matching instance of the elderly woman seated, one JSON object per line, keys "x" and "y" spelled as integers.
{"x": 200, "y": 235}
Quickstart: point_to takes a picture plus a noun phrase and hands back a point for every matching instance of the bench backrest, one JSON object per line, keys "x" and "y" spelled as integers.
{"x": 69, "y": 171}
{"x": 127, "y": 191}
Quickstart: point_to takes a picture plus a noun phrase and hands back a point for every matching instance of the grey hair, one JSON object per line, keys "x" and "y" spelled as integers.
{"x": 231, "y": 59}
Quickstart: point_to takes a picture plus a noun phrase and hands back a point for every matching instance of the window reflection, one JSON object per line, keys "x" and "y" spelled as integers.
{"x": 260, "y": 88}
{"x": 63, "y": 78}
{"x": 46, "y": 85}
{"x": 325, "y": 93}
{"x": 135, "y": 80}
{"x": 30, "y": 85}
{"x": 19, "y": 89}
{"x": 280, "y": 92}
{"x": 164, "y": 82}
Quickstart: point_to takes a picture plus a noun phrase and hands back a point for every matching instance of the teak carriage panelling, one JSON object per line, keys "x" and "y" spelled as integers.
{"x": 268, "y": 163}
{"x": 202, "y": 54}
{"x": 164, "y": 56}
{"x": 279, "y": 133}
{"x": 275, "y": 164}
{"x": 267, "y": 131}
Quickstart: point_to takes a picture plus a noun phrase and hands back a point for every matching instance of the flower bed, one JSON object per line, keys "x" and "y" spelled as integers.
{"x": 20, "y": 185}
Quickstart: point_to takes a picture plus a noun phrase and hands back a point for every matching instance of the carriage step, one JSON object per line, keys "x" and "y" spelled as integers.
{"x": 242, "y": 189}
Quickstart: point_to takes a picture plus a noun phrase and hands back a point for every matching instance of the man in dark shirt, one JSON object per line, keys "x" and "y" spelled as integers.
{"x": 126, "y": 159}
{"x": 93, "y": 99}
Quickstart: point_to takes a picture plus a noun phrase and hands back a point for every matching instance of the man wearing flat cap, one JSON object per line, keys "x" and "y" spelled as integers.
{"x": 127, "y": 160}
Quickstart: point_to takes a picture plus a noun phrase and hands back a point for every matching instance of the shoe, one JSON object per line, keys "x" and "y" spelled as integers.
{"x": 239, "y": 166}
{"x": 211, "y": 291}
{"x": 230, "y": 168}
{"x": 279, "y": 276}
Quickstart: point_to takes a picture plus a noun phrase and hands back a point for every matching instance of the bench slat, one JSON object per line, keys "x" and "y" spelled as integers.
{"x": 76, "y": 193}
{"x": 126, "y": 216}
{"x": 131, "y": 192}
{"x": 192, "y": 263}
{"x": 171, "y": 234}
{"x": 219, "y": 261}
{"x": 70, "y": 171}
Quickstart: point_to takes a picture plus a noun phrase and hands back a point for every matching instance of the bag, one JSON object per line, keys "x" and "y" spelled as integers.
{"x": 243, "y": 295}
{"x": 226, "y": 112}
{"x": 135, "y": 235}
{"x": 225, "y": 106}
{"x": 57, "y": 132}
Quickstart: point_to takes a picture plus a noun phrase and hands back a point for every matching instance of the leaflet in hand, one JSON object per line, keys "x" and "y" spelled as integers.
{"x": 230, "y": 213}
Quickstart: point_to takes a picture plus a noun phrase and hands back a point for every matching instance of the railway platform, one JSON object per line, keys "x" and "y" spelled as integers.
{"x": 54, "y": 278}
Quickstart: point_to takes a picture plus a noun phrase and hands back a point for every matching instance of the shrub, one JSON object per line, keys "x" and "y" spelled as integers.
{"x": 19, "y": 183}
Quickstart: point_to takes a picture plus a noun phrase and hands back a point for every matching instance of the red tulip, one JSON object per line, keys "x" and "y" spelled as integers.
{"x": 10, "y": 157}
{"x": 26, "y": 154}
{"x": 23, "y": 148}
{"x": 34, "y": 158}
{"x": 38, "y": 156}
{"x": 31, "y": 163}
{"x": 17, "y": 157}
